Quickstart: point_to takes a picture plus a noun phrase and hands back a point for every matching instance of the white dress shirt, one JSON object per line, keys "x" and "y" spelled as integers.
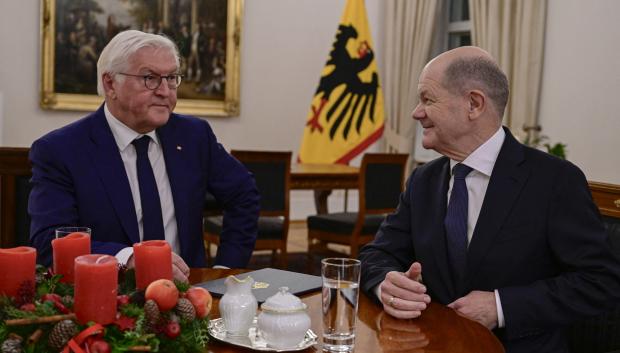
{"x": 123, "y": 136}
{"x": 482, "y": 160}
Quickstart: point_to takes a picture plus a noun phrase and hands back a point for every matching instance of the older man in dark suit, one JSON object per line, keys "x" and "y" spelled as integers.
{"x": 133, "y": 170}
{"x": 502, "y": 233}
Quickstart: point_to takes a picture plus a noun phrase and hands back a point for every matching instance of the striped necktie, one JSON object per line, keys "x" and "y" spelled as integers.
{"x": 456, "y": 225}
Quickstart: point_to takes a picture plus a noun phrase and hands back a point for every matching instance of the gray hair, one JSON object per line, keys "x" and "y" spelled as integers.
{"x": 478, "y": 73}
{"x": 114, "y": 57}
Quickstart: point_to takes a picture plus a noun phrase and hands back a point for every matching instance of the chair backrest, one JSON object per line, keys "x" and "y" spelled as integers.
{"x": 272, "y": 172}
{"x": 607, "y": 198}
{"x": 602, "y": 333}
{"x": 381, "y": 182}
{"x": 15, "y": 173}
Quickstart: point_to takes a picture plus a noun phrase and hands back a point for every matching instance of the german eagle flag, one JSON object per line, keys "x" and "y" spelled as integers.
{"x": 347, "y": 109}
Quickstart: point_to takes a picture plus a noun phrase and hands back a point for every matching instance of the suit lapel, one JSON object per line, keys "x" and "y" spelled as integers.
{"x": 436, "y": 212}
{"x": 109, "y": 164}
{"x": 505, "y": 185}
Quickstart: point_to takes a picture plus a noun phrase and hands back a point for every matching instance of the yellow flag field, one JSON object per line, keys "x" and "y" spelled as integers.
{"x": 346, "y": 115}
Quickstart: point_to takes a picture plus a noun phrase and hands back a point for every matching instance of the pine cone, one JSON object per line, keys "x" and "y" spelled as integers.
{"x": 151, "y": 315}
{"x": 185, "y": 309}
{"x": 12, "y": 345}
{"x": 67, "y": 300}
{"x": 25, "y": 293}
{"x": 62, "y": 332}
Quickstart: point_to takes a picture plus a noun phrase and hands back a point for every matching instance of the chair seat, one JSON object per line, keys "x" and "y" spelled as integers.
{"x": 268, "y": 227}
{"x": 344, "y": 222}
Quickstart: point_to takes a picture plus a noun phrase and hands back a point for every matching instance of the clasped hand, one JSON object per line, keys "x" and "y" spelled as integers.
{"x": 478, "y": 306}
{"x": 403, "y": 295}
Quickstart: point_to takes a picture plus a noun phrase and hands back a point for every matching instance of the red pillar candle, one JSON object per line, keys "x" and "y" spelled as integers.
{"x": 96, "y": 282}
{"x": 17, "y": 265}
{"x": 66, "y": 249}
{"x": 153, "y": 261}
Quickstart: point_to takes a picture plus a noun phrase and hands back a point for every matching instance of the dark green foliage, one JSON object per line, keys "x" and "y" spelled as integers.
{"x": 182, "y": 286}
{"x": 126, "y": 280}
{"x": 557, "y": 149}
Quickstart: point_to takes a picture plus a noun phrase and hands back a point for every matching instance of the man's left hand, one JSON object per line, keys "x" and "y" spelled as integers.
{"x": 478, "y": 306}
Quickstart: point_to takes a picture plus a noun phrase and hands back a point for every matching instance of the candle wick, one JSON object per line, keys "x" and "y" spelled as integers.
{"x": 99, "y": 260}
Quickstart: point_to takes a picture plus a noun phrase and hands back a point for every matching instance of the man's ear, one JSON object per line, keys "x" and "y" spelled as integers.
{"x": 477, "y": 103}
{"x": 108, "y": 86}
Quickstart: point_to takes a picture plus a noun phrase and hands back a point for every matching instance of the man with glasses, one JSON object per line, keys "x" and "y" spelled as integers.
{"x": 134, "y": 171}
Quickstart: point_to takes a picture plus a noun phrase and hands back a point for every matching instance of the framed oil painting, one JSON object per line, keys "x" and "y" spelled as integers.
{"x": 207, "y": 33}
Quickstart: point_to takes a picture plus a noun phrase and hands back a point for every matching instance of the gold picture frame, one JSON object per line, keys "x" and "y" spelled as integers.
{"x": 74, "y": 32}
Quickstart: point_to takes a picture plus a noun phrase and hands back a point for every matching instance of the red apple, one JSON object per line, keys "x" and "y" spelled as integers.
{"x": 201, "y": 300}
{"x": 99, "y": 346}
{"x": 164, "y": 293}
{"x": 122, "y": 300}
{"x": 172, "y": 329}
{"x": 27, "y": 307}
{"x": 51, "y": 297}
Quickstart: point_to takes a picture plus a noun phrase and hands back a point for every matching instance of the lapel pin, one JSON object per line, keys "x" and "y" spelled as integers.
{"x": 179, "y": 148}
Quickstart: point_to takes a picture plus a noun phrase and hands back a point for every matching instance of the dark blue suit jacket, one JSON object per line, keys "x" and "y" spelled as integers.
{"x": 79, "y": 179}
{"x": 539, "y": 240}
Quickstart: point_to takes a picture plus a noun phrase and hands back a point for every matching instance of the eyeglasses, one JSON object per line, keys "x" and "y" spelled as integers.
{"x": 153, "y": 81}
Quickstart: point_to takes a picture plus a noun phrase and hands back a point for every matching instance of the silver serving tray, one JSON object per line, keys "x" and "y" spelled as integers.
{"x": 254, "y": 339}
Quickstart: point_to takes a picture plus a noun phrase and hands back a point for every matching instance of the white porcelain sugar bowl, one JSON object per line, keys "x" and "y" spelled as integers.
{"x": 283, "y": 320}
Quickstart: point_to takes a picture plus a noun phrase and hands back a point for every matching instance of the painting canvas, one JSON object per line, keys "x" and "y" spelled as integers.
{"x": 206, "y": 32}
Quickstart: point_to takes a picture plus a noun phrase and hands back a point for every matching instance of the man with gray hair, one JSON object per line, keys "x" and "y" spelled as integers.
{"x": 134, "y": 170}
{"x": 504, "y": 234}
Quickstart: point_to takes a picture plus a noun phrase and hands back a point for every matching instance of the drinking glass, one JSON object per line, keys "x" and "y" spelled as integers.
{"x": 64, "y": 231}
{"x": 70, "y": 243}
{"x": 341, "y": 278}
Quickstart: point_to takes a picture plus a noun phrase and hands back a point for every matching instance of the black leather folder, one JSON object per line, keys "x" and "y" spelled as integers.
{"x": 272, "y": 279}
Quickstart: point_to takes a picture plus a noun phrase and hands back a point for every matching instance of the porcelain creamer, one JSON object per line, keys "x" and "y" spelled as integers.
{"x": 283, "y": 320}
{"x": 238, "y": 306}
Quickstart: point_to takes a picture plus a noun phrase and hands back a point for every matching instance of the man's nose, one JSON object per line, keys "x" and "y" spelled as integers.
{"x": 163, "y": 89}
{"x": 418, "y": 113}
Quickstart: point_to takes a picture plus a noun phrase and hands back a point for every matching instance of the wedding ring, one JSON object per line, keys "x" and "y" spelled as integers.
{"x": 391, "y": 301}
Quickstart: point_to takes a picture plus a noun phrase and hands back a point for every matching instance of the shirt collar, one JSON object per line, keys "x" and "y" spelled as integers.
{"x": 483, "y": 158}
{"x": 123, "y": 134}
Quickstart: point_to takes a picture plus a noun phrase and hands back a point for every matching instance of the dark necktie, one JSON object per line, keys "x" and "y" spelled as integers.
{"x": 152, "y": 223}
{"x": 456, "y": 225}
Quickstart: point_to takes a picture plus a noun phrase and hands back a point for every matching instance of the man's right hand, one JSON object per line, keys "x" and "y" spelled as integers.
{"x": 403, "y": 295}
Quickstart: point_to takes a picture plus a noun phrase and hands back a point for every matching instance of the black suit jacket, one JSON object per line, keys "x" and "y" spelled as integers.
{"x": 539, "y": 240}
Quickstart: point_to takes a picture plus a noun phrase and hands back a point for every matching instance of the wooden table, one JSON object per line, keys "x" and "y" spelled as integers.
{"x": 323, "y": 178}
{"x": 438, "y": 330}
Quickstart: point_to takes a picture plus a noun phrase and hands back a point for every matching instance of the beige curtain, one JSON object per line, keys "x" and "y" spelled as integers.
{"x": 407, "y": 45}
{"x": 513, "y": 32}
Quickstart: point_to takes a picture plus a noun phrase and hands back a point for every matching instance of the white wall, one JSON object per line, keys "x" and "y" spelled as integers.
{"x": 580, "y": 99}
{"x": 285, "y": 44}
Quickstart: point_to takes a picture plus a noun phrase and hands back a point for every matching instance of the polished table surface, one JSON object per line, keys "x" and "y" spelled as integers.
{"x": 323, "y": 176}
{"x": 439, "y": 329}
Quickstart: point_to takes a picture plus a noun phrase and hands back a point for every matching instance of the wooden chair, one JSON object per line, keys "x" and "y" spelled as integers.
{"x": 15, "y": 173}
{"x": 601, "y": 334}
{"x": 272, "y": 172}
{"x": 380, "y": 184}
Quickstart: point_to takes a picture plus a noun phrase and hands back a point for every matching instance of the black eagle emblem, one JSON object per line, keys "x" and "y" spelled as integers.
{"x": 356, "y": 92}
